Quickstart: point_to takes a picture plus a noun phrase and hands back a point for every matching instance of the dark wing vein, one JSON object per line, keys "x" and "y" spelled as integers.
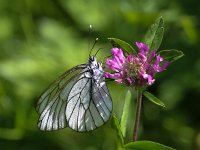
{"x": 103, "y": 98}
{"x": 68, "y": 99}
{"x": 71, "y": 114}
{"x": 106, "y": 94}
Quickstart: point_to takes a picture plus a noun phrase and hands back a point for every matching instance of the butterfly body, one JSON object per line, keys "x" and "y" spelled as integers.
{"x": 78, "y": 99}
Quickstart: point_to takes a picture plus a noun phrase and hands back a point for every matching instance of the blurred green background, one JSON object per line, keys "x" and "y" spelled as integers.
{"x": 39, "y": 40}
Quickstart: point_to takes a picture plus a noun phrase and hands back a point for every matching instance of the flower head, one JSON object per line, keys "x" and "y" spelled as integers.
{"x": 135, "y": 70}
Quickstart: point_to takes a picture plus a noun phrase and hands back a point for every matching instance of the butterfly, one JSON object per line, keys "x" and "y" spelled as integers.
{"x": 78, "y": 99}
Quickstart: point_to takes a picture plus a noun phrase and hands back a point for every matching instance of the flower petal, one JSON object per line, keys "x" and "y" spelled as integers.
{"x": 108, "y": 75}
{"x": 130, "y": 81}
{"x": 113, "y": 65}
{"x": 120, "y": 80}
{"x": 130, "y": 58}
{"x": 143, "y": 57}
{"x": 152, "y": 55}
{"x": 165, "y": 65}
{"x": 143, "y": 47}
{"x": 150, "y": 80}
{"x": 118, "y": 55}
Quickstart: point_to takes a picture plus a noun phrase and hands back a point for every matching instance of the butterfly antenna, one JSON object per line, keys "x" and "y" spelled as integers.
{"x": 96, "y": 40}
{"x": 89, "y": 35}
{"x": 97, "y": 51}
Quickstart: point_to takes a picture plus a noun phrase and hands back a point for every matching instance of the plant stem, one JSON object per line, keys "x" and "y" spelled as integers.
{"x": 137, "y": 115}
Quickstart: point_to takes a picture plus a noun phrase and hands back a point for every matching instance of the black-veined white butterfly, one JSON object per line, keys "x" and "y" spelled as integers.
{"x": 78, "y": 99}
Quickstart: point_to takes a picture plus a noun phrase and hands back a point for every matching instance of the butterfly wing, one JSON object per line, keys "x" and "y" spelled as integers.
{"x": 92, "y": 107}
{"x": 75, "y": 100}
{"x": 102, "y": 99}
{"x": 52, "y": 103}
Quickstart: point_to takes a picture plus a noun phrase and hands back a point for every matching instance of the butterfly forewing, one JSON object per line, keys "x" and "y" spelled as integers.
{"x": 52, "y": 103}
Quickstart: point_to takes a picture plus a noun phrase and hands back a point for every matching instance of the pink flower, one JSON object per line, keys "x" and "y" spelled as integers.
{"x": 117, "y": 65}
{"x": 135, "y": 70}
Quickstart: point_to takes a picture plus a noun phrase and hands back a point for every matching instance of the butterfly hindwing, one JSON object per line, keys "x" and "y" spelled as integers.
{"x": 90, "y": 110}
{"x": 102, "y": 100}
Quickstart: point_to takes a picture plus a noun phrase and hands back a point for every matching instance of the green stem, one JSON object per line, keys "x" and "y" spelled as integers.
{"x": 137, "y": 115}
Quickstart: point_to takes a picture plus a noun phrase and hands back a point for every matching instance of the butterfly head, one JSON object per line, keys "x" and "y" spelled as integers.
{"x": 94, "y": 64}
{"x": 92, "y": 59}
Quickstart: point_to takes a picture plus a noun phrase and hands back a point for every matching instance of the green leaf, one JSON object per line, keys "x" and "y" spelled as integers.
{"x": 154, "y": 35}
{"x": 125, "y": 113}
{"x": 115, "y": 124}
{"x": 122, "y": 44}
{"x": 153, "y": 99}
{"x": 146, "y": 145}
{"x": 171, "y": 55}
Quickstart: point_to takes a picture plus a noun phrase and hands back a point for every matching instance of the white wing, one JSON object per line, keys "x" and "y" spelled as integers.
{"x": 52, "y": 103}
{"x": 75, "y": 100}
{"x": 91, "y": 103}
